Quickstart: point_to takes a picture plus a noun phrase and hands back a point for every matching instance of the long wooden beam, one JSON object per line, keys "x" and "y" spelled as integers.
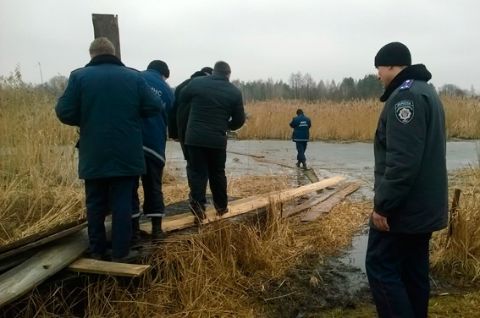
{"x": 238, "y": 207}
{"x": 45, "y": 263}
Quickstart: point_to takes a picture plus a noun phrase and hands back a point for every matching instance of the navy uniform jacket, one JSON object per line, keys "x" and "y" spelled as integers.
{"x": 301, "y": 125}
{"x": 106, "y": 100}
{"x": 154, "y": 128}
{"x": 410, "y": 161}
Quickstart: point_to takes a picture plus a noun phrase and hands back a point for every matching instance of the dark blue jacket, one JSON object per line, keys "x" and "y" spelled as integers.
{"x": 106, "y": 100}
{"x": 154, "y": 128}
{"x": 410, "y": 163}
{"x": 301, "y": 125}
{"x": 216, "y": 106}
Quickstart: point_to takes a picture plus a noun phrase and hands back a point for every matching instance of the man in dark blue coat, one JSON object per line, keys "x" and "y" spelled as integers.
{"x": 106, "y": 100}
{"x": 410, "y": 185}
{"x": 216, "y": 106}
{"x": 154, "y": 131}
{"x": 301, "y": 126}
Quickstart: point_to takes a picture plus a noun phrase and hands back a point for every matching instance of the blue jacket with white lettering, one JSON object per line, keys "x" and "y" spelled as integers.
{"x": 410, "y": 166}
{"x": 154, "y": 129}
{"x": 301, "y": 125}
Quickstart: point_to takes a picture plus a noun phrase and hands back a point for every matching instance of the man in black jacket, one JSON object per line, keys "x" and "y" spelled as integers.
{"x": 410, "y": 185}
{"x": 178, "y": 115}
{"x": 216, "y": 106}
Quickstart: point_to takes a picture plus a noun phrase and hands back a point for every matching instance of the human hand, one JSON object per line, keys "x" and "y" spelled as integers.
{"x": 380, "y": 222}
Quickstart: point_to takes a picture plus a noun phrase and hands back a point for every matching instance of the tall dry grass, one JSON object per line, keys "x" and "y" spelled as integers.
{"x": 348, "y": 120}
{"x": 39, "y": 188}
{"x": 458, "y": 256}
{"x": 227, "y": 269}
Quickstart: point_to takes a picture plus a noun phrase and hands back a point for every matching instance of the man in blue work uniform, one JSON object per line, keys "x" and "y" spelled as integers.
{"x": 154, "y": 133}
{"x": 106, "y": 100}
{"x": 301, "y": 125}
{"x": 410, "y": 185}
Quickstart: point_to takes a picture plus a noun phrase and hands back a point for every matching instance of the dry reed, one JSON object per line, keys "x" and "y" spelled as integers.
{"x": 458, "y": 256}
{"x": 348, "y": 120}
{"x": 227, "y": 269}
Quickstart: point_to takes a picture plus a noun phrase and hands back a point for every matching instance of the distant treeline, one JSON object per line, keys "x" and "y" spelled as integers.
{"x": 304, "y": 87}
{"x": 299, "y": 87}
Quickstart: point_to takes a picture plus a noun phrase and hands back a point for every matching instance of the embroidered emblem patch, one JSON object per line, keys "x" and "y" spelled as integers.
{"x": 404, "y": 111}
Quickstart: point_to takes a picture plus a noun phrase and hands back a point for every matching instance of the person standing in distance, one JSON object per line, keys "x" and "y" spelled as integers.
{"x": 301, "y": 134}
{"x": 106, "y": 100}
{"x": 216, "y": 106}
{"x": 411, "y": 191}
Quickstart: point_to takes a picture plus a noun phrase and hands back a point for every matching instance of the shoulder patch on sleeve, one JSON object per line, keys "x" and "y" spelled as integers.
{"x": 406, "y": 85}
{"x": 404, "y": 111}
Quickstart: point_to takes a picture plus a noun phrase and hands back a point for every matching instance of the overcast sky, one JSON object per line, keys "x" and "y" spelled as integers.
{"x": 260, "y": 39}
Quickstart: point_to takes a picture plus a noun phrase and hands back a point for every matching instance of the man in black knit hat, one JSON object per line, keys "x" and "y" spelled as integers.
{"x": 410, "y": 185}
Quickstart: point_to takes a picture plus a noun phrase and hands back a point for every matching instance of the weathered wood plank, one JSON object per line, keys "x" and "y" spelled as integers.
{"x": 16, "y": 249}
{"x": 45, "y": 263}
{"x": 242, "y": 206}
{"x": 106, "y": 25}
{"x": 88, "y": 265}
{"x": 327, "y": 205}
{"x": 308, "y": 204}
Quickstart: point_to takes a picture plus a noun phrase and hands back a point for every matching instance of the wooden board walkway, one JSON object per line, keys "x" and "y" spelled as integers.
{"x": 327, "y": 205}
{"x": 242, "y": 206}
{"x": 52, "y": 258}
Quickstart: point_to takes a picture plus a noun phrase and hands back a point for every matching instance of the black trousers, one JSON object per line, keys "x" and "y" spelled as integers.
{"x": 208, "y": 164}
{"x": 301, "y": 148}
{"x": 102, "y": 196}
{"x": 153, "y": 204}
{"x": 398, "y": 273}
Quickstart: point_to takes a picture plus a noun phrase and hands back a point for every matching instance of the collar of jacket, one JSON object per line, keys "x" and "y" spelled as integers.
{"x": 415, "y": 72}
{"x": 219, "y": 77}
{"x": 105, "y": 59}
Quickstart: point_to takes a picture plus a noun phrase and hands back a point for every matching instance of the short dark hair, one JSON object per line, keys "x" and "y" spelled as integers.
{"x": 159, "y": 66}
{"x": 299, "y": 111}
{"x": 222, "y": 68}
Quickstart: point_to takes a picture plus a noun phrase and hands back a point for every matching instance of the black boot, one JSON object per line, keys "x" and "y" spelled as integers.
{"x": 157, "y": 233}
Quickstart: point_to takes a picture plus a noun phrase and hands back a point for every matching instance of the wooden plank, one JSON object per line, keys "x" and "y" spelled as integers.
{"x": 327, "y": 205}
{"x": 93, "y": 266}
{"x": 311, "y": 175}
{"x": 308, "y": 204}
{"x": 44, "y": 240}
{"x": 19, "y": 280}
{"x": 242, "y": 206}
{"x": 106, "y": 25}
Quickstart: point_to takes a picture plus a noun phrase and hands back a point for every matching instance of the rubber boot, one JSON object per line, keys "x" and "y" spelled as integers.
{"x": 157, "y": 232}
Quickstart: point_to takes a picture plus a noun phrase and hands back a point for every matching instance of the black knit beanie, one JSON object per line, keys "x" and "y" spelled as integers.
{"x": 393, "y": 54}
{"x": 159, "y": 66}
